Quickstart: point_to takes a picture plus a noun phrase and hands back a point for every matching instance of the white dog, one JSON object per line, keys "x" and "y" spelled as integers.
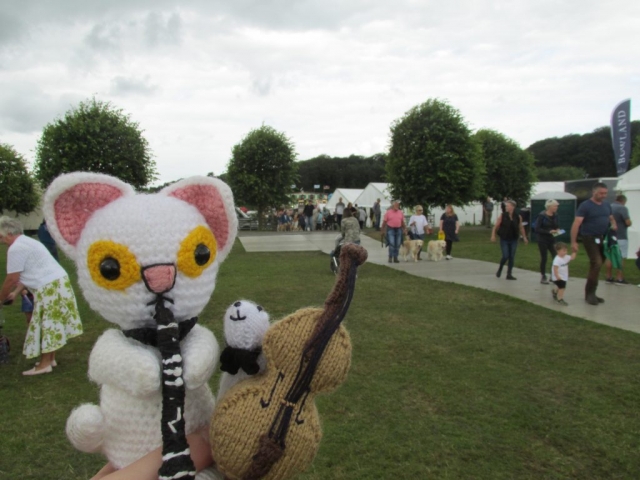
{"x": 410, "y": 247}
{"x": 435, "y": 249}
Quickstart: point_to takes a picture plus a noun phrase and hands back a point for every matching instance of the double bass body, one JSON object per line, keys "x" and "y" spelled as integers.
{"x": 249, "y": 410}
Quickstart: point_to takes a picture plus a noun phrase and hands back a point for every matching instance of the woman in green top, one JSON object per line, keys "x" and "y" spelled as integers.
{"x": 350, "y": 227}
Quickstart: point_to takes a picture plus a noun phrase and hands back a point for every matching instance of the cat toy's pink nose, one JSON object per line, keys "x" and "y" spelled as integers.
{"x": 159, "y": 278}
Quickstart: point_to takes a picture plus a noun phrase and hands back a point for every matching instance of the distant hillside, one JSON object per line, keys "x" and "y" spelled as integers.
{"x": 591, "y": 153}
{"x": 349, "y": 172}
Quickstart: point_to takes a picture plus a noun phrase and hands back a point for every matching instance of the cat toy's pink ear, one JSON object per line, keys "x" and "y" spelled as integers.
{"x": 214, "y": 200}
{"x": 72, "y": 198}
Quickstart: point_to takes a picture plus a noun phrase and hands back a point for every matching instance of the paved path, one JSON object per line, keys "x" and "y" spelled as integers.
{"x": 621, "y": 308}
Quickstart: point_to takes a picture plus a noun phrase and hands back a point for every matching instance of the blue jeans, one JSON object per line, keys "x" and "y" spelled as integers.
{"x": 508, "y": 253}
{"x": 394, "y": 239}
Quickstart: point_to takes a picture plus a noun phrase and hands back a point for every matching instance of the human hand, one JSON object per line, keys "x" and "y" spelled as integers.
{"x": 493, "y": 238}
{"x": 574, "y": 247}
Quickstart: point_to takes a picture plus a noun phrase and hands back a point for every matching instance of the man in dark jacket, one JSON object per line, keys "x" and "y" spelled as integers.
{"x": 308, "y": 215}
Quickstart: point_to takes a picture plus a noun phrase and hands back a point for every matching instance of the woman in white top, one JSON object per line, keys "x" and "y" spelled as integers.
{"x": 55, "y": 314}
{"x": 419, "y": 226}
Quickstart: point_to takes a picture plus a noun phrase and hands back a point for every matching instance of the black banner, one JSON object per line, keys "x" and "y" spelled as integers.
{"x": 621, "y": 135}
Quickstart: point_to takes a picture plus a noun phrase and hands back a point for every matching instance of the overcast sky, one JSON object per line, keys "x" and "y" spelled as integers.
{"x": 331, "y": 74}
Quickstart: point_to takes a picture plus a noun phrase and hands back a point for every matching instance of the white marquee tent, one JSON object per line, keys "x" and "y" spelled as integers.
{"x": 541, "y": 187}
{"x": 347, "y": 194}
{"x": 469, "y": 214}
{"x": 373, "y": 192}
{"x": 629, "y": 186}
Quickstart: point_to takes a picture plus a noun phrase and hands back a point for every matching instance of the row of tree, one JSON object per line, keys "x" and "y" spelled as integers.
{"x": 434, "y": 159}
{"x": 580, "y": 156}
{"x": 94, "y": 136}
{"x": 354, "y": 171}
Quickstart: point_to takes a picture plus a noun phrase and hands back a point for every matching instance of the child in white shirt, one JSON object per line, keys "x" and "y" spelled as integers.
{"x": 560, "y": 272}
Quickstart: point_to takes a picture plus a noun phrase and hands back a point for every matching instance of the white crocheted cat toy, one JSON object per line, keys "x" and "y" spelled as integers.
{"x": 147, "y": 263}
{"x": 245, "y": 324}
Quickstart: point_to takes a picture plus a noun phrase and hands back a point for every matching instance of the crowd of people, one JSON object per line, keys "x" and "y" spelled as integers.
{"x": 309, "y": 217}
{"x": 36, "y": 278}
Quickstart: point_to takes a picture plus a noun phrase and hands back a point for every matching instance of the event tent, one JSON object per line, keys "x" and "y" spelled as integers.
{"x": 629, "y": 186}
{"x": 372, "y": 192}
{"x": 541, "y": 187}
{"x": 469, "y": 214}
{"x": 347, "y": 194}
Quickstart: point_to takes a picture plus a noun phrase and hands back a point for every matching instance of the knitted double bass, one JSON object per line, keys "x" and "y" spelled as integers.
{"x": 268, "y": 426}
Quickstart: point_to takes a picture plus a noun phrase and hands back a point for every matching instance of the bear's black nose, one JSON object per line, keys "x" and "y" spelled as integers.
{"x": 237, "y": 304}
{"x": 260, "y": 308}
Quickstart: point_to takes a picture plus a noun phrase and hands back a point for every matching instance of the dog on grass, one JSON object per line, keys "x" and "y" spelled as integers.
{"x": 411, "y": 247}
{"x": 435, "y": 249}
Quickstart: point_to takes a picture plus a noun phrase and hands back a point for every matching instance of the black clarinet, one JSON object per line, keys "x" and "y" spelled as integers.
{"x": 176, "y": 456}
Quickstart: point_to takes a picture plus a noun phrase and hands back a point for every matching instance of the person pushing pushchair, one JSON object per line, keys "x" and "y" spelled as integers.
{"x": 335, "y": 254}
{"x": 350, "y": 228}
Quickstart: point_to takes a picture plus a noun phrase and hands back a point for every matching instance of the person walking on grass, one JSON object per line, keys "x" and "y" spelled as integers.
{"x": 487, "y": 209}
{"x": 547, "y": 228}
{"x": 560, "y": 272}
{"x": 508, "y": 227}
{"x": 339, "y": 211}
{"x": 593, "y": 218}
{"x": 377, "y": 212}
{"x": 393, "y": 228}
{"x": 621, "y": 215}
{"x": 55, "y": 317}
{"x": 450, "y": 225}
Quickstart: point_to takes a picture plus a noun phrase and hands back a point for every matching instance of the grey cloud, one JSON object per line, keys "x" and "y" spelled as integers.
{"x": 261, "y": 86}
{"x": 158, "y": 32}
{"x": 278, "y": 14}
{"x": 103, "y": 38}
{"x": 28, "y": 109}
{"x": 11, "y": 29}
{"x": 123, "y": 86}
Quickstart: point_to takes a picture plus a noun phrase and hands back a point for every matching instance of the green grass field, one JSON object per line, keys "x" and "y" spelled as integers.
{"x": 447, "y": 382}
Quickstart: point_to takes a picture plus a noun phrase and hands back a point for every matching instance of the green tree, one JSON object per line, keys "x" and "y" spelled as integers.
{"x": 17, "y": 187}
{"x": 433, "y": 159}
{"x": 262, "y": 169}
{"x": 559, "y": 174}
{"x": 635, "y": 153}
{"x": 95, "y": 137}
{"x": 510, "y": 171}
{"x": 591, "y": 152}
{"x": 354, "y": 171}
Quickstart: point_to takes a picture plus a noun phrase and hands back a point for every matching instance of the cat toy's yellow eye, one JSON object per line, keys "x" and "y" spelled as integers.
{"x": 112, "y": 265}
{"x": 197, "y": 252}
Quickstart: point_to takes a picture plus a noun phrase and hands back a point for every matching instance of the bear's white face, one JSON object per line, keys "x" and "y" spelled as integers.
{"x": 245, "y": 325}
{"x": 139, "y": 247}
